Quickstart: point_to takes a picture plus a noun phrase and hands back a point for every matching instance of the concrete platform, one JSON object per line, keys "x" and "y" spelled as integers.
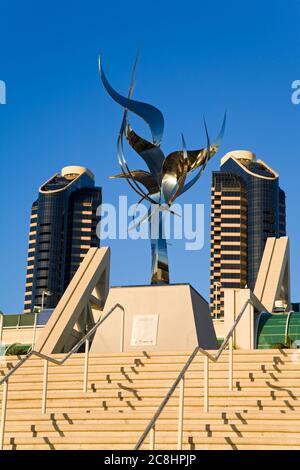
{"x": 158, "y": 318}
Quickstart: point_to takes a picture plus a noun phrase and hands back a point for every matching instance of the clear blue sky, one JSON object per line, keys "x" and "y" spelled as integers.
{"x": 197, "y": 57}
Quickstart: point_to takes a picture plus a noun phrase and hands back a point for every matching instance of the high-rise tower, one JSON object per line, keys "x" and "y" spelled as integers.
{"x": 248, "y": 206}
{"x": 62, "y": 229}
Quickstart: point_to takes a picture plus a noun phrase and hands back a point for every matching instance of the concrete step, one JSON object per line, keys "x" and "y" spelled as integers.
{"x": 68, "y": 374}
{"x": 284, "y": 353}
{"x": 151, "y": 404}
{"x": 125, "y": 391}
{"x": 217, "y": 428}
{"x": 143, "y": 359}
{"x": 197, "y": 413}
{"x": 129, "y": 439}
{"x": 134, "y": 374}
{"x": 122, "y": 391}
{"x": 146, "y": 375}
{"x": 140, "y": 358}
{"x": 160, "y": 447}
{"x": 258, "y": 383}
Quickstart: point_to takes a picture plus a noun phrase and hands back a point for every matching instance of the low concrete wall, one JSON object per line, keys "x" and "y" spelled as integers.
{"x": 219, "y": 328}
{"x": 178, "y": 313}
{"x": 19, "y": 335}
{"x": 234, "y": 299}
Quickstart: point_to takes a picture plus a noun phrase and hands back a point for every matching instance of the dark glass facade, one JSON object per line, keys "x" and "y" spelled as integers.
{"x": 247, "y": 207}
{"x": 63, "y": 228}
{"x": 265, "y": 214}
{"x": 282, "y": 213}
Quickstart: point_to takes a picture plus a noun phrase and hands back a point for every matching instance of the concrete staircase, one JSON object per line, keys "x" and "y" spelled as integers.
{"x": 263, "y": 411}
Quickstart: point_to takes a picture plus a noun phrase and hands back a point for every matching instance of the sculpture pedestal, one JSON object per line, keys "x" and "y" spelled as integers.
{"x": 156, "y": 318}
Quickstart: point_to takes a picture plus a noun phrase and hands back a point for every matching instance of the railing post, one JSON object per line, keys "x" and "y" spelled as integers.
{"x": 45, "y": 387}
{"x": 1, "y": 327}
{"x": 180, "y": 414}
{"x": 122, "y": 331}
{"x": 86, "y": 365}
{"x": 206, "y": 383}
{"x": 3, "y": 413}
{"x": 152, "y": 438}
{"x": 230, "y": 365}
{"x": 34, "y": 331}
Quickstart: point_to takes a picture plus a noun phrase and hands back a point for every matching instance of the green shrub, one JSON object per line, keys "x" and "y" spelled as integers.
{"x": 17, "y": 349}
{"x": 278, "y": 346}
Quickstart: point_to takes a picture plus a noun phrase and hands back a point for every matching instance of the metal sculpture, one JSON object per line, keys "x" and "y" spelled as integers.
{"x": 166, "y": 178}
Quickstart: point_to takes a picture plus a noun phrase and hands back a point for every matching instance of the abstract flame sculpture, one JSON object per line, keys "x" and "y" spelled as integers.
{"x": 167, "y": 176}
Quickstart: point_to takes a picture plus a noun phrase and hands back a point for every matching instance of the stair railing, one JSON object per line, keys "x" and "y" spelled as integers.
{"x": 84, "y": 340}
{"x": 180, "y": 380}
{"x": 1, "y": 326}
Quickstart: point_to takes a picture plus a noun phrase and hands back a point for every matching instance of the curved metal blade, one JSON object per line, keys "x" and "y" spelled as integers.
{"x": 120, "y": 152}
{"x": 122, "y": 162}
{"x": 196, "y": 158}
{"x": 150, "y": 153}
{"x": 218, "y": 140}
{"x": 174, "y": 173}
{"x": 151, "y": 115}
{"x": 143, "y": 177}
{"x": 198, "y": 175}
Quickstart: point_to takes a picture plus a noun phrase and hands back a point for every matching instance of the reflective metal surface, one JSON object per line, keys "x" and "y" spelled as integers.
{"x": 149, "y": 113}
{"x": 166, "y": 178}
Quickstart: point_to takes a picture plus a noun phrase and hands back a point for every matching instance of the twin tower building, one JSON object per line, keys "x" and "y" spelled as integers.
{"x": 62, "y": 228}
{"x": 247, "y": 207}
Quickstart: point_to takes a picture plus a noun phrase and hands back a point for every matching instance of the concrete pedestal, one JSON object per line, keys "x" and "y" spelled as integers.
{"x": 159, "y": 318}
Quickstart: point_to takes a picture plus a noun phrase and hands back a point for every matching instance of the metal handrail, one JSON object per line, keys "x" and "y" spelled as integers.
{"x": 214, "y": 358}
{"x": 1, "y": 325}
{"x": 48, "y": 359}
{"x": 73, "y": 350}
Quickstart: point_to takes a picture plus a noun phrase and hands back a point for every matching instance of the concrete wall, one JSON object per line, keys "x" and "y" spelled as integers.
{"x": 92, "y": 277}
{"x": 184, "y": 320}
{"x": 26, "y": 336}
{"x": 22, "y": 335}
{"x": 219, "y": 328}
{"x": 234, "y": 299}
{"x": 273, "y": 280}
